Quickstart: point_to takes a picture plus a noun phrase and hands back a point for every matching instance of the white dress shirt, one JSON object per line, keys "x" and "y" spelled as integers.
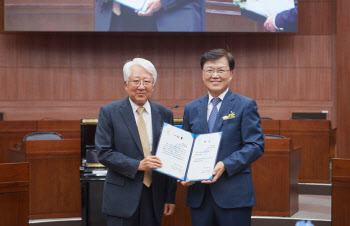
{"x": 210, "y": 104}
{"x": 147, "y": 116}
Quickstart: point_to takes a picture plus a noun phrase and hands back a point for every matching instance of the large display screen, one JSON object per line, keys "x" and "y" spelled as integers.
{"x": 152, "y": 15}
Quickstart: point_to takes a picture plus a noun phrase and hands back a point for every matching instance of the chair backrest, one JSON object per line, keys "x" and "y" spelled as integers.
{"x": 39, "y": 136}
{"x": 42, "y": 136}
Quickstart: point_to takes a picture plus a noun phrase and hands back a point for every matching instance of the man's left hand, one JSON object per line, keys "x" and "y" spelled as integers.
{"x": 169, "y": 209}
{"x": 153, "y": 7}
{"x": 217, "y": 172}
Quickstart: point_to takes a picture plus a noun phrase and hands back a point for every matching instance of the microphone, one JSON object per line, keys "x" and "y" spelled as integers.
{"x": 176, "y": 106}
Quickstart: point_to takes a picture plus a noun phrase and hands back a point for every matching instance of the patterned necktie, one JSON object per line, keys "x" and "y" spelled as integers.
{"x": 213, "y": 114}
{"x": 141, "y": 126}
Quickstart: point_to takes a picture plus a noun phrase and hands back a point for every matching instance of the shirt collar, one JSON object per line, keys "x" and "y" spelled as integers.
{"x": 221, "y": 96}
{"x": 134, "y": 106}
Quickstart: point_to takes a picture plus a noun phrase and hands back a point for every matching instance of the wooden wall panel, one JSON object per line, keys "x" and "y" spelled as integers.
{"x": 305, "y": 51}
{"x": 255, "y": 51}
{"x": 8, "y": 55}
{"x": 188, "y": 50}
{"x": 192, "y": 90}
{"x": 310, "y": 21}
{"x": 43, "y": 50}
{"x": 305, "y": 84}
{"x": 96, "y": 51}
{"x": 256, "y": 83}
{"x": 149, "y": 46}
{"x": 343, "y": 79}
{"x": 8, "y": 81}
{"x": 43, "y": 84}
{"x": 165, "y": 85}
{"x": 97, "y": 84}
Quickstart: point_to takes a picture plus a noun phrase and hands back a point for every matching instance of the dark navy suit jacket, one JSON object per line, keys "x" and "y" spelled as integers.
{"x": 288, "y": 20}
{"x": 181, "y": 15}
{"x": 242, "y": 143}
{"x": 119, "y": 149}
{"x": 176, "y": 15}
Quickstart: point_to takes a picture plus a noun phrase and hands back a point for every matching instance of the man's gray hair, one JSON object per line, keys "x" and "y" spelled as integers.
{"x": 147, "y": 65}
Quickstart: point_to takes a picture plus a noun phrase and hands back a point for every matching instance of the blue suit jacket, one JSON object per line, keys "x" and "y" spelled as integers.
{"x": 119, "y": 148}
{"x": 288, "y": 20}
{"x": 242, "y": 143}
{"x": 176, "y": 15}
{"x": 181, "y": 15}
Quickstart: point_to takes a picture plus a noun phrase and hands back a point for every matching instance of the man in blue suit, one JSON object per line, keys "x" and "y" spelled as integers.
{"x": 228, "y": 198}
{"x": 126, "y": 138}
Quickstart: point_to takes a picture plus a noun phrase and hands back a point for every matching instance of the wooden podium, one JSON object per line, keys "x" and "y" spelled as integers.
{"x": 275, "y": 178}
{"x": 14, "y": 194}
{"x": 314, "y": 138}
{"x": 54, "y": 180}
{"x": 340, "y": 192}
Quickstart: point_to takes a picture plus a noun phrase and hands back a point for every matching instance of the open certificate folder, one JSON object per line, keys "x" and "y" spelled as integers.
{"x": 139, "y": 5}
{"x": 187, "y": 156}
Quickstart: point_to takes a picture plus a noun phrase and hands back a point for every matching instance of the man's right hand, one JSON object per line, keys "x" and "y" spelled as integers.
{"x": 150, "y": 162}
{"x": 269, "y": 23}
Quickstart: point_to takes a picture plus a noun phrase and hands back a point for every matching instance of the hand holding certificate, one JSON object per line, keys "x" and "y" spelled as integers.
{"x": 187, "y": 156}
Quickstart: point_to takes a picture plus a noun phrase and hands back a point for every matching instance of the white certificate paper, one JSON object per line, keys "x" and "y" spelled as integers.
{"x": 186, "y": 156}
{"x": 139, "y": 5}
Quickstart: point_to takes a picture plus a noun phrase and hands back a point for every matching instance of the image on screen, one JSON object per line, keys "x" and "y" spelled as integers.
{"x": 152, "y": 15}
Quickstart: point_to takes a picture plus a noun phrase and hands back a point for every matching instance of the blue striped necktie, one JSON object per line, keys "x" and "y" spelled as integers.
{"x": 213, "y": 114}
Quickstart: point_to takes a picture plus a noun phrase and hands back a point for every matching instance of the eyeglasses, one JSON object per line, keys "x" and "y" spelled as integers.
{"x": 211, "y": 71}
{"x": 137, "y": 83}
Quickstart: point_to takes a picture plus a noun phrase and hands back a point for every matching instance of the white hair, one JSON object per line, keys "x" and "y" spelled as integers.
{"x": 147, "y": 65}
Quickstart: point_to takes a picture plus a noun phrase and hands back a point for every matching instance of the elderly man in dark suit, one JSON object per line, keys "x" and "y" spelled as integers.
{"x": 127, "y": 135}
{"x": 227, "y": 199}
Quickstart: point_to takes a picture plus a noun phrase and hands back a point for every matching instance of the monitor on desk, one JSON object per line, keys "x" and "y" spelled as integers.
{"x": 309, "y": 115}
